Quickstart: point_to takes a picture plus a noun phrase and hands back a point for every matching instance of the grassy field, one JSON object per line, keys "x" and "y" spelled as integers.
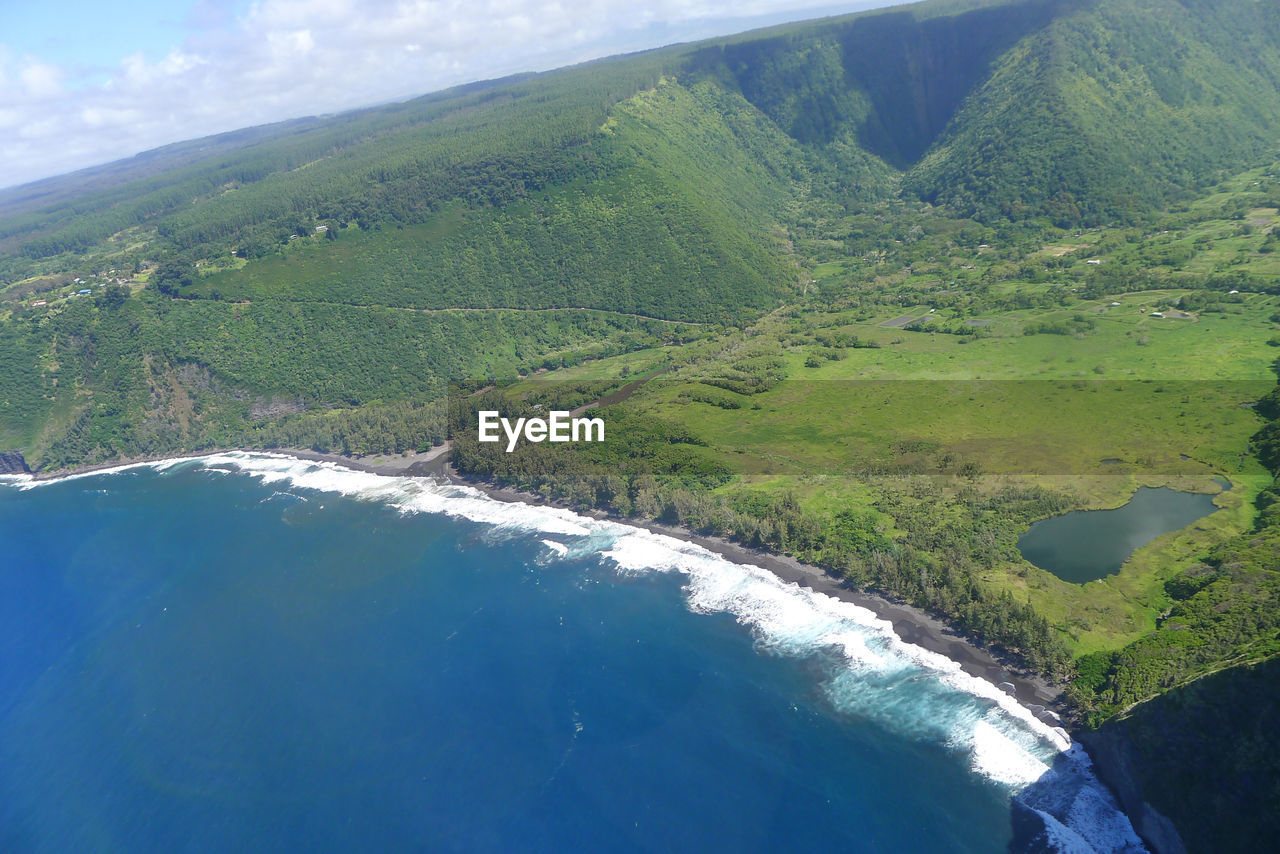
{"x": 861, "y": 407}
{"x": 914, "y": 384}
{"x": 1018, "y": 404}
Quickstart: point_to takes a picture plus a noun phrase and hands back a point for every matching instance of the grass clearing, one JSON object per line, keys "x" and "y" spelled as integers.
{"x": 1136, "y": 401}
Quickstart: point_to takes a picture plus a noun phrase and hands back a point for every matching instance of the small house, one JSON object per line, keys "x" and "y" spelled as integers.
{"x": 39, "y": 302}
{"x": 1157, "y": 314}
{"x": 83, "y": 291}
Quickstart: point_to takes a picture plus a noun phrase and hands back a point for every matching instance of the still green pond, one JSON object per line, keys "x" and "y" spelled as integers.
{"x": 1086, "y": 545}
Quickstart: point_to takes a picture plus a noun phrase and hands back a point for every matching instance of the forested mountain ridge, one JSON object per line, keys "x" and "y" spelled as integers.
{"x": 1112, "y": 109}
{"x": 1082, "y": 111}
{"x": 680, "y": 185}
{"x": 1071, "y": 193}
{"x": 485, "y": 143}
{"x": 1085, "y": 112}
{"x": 678, "y": 228}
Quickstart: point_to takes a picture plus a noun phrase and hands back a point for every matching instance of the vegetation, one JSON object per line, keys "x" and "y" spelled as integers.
{"x": 877, "y": 291}
{"x": 1225, "y": 612}
{"x": 1203, "y": 755}
{"x": 155, "y": 375}
{"x": 1110, "y": 110}
{"x": 656, "y": 470}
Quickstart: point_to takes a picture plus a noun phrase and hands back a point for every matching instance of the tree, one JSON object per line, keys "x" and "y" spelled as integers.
{"x": 171, "y": 275}
{"x": 111, "y": 298}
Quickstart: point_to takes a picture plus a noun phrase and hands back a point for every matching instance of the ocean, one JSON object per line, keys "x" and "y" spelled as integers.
{"x": 253, "y": 652}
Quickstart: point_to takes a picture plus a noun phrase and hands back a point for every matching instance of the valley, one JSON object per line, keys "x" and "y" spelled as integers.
{"x": 899, "y": 285}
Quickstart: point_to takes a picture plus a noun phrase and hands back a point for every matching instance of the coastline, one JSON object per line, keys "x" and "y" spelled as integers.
{"x": 911, "y": 624}
{"x": 1003, "y": 736}
{"x": 392, "y": 465}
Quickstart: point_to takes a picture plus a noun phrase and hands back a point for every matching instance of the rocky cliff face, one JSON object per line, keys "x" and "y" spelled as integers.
{"x": 1113, "y": 758}
{"x": 11, "y": 462}
{"x": 1198, "y": 769}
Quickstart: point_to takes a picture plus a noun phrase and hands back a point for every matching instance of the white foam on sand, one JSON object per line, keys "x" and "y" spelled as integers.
{"x": 876, "y": 675}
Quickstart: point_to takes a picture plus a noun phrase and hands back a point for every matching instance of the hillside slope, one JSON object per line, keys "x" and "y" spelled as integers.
{"x": 689, "y": 184}
{"x": 676, "y": 226}
{"x": 1203, "y": 759}
{"x": 1082, "y": 112}
{"x": 671, "y": 212}
{"x": 1112, "y": 109}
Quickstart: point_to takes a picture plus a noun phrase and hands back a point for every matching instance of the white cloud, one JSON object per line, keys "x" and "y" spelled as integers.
{"x": 287, "y": 58}
{"x": 39, "y": 80}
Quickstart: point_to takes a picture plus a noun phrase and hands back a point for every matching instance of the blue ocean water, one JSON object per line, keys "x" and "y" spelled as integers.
{"x": 251, "y": 652}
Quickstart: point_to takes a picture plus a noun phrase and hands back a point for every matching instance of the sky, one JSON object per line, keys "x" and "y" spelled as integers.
{"x": 83, "y": 83}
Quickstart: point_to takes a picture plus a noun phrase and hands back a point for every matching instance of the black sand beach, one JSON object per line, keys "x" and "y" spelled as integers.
{"x": 909, "y": 623}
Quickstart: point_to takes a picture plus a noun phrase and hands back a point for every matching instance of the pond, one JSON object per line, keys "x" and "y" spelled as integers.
{"x": 1086, "y": 545}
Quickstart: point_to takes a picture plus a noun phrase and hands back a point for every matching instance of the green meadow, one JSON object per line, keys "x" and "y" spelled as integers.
{"x": 990, "y": 412}
{"x": 882, "y": 378}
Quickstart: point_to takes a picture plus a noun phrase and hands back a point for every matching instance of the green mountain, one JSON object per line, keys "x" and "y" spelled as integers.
{"x": 1112, "y": 109}
{"x": 957, "y": 189}
{"x": 1083, "y": 112}
{"x": 677, "y": 185}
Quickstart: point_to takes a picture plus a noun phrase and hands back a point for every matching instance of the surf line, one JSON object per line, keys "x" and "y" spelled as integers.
{"x": 559, "y": 427}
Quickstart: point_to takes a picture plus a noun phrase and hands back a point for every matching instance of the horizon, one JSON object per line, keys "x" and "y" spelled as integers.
{"x": 82, "y": 104}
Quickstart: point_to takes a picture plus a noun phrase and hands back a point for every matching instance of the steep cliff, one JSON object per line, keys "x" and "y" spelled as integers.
{"x": 11, "y": 462}
{"x": 1198, "y": 769}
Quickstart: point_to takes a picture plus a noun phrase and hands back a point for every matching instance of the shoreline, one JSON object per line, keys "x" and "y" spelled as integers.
{"x": 392, "y": 465}
{"x": 909, "y": 623}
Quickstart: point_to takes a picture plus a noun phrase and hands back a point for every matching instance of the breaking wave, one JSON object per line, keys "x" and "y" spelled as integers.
{"x": 877, "y": 676}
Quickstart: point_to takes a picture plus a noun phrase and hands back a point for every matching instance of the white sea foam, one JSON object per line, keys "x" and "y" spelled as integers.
{"x": 27, "y": 481}
{"x": 1001, "y": 758}
{"x": 1063, "y": 839}
{"x": 408, "y": 494}
{"x": 878, "y": 676}
{"x": 559, "y": 548}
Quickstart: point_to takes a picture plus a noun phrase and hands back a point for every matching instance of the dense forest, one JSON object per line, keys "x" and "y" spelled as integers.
{"x": 971, "y": 189}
